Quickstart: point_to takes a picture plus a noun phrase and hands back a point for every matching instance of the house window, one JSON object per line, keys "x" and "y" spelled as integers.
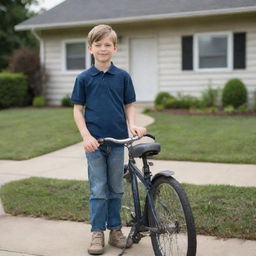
{"x": 224, "y": 51}
{"x": 75, "y": 55}
{"x": 213, "y": 51}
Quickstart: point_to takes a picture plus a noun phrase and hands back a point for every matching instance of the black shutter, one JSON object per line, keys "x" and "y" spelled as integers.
{"x": 187, "y": 53}
{"x": 239, "y": 50}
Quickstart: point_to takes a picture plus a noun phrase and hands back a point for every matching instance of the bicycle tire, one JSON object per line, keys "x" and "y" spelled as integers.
{"x": 172, "y": 208}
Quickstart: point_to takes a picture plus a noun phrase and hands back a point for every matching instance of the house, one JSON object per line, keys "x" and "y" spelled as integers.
{"x": 177, "y": 46}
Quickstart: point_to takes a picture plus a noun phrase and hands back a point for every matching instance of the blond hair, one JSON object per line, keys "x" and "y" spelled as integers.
{"x": 99, "y": 32}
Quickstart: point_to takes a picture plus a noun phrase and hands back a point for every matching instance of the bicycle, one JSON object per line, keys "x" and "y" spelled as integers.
{"x": 166, "y": 214}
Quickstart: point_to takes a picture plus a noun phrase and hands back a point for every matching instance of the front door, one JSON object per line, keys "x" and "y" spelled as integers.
{"x": 143, "y": 67}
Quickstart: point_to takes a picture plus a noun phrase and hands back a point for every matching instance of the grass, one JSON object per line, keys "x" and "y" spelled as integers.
{"x": 223, "y": 211}
{"x": 30, "y": 132}
{"x": 229, "y": 139}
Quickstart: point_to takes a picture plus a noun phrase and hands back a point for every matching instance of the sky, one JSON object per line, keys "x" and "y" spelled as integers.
{"x": 46, "y": 4}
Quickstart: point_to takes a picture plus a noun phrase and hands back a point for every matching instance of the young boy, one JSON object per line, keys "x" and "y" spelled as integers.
{"x": 107, "y": 93}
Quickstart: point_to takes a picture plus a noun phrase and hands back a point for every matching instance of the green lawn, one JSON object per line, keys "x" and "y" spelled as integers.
{"x": 223, "y": 211}
{"x": 29, "y": 132}
{"x": 229, "y": 139}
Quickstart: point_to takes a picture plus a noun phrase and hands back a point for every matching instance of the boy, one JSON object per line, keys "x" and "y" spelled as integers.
{"x": 107, "y": 93}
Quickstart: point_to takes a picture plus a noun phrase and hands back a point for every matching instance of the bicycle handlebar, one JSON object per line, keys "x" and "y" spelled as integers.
{"x": 124, "y": 141}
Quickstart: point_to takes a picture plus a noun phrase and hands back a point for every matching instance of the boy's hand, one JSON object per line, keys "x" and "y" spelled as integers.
{"x": 90, "y": 144}
{"x": 137, "y": 131}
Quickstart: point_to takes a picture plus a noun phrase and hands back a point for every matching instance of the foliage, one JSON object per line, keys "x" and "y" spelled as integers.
{"x": 39, "y": 101}
{"x": 234, "y": 93}
{"x": 242, "y": 109}
{"x": 13, "y": 89}
{"x": 209, "y": 97}
{"x": 12, "y": 13}
{"x": 159, "y": 107}
{"x": 66, "y": 101}
{"x": 254, "y": 103}
{"x": 146, "y": 110}
{"x": 162, "y": 97}
{"x": 229, "y": 109}
{"x": 27, "y": 61}
{"x": 187, "y": 101}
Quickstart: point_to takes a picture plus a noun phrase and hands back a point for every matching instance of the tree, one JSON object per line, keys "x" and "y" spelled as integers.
{"x": 13, "y": 12}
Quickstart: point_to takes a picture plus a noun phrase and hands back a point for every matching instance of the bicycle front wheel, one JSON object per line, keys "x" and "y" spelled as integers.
{"x": 177, "y": 235}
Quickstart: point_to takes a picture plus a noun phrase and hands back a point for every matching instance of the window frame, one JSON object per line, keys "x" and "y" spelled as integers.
{"x": 229, "y": 51}
{"x": 64, "y": 55}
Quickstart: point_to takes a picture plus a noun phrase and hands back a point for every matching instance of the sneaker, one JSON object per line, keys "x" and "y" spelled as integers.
{"x": 117, "y": 239}
{"x": 97, "y": 243}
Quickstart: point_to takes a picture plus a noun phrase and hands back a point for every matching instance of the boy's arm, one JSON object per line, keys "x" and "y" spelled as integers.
{"x": 89, "y": 142}
{"x": 130, "y": 115}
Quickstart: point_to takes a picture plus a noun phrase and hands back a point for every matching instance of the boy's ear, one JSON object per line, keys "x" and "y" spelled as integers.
{"x": 89, "y": 49}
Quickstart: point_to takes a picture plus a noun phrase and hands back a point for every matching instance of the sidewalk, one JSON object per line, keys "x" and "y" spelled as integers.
{"x": 36, "y": 236}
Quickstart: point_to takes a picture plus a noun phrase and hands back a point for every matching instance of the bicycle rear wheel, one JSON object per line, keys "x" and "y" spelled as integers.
{"x": 177, "y": 236}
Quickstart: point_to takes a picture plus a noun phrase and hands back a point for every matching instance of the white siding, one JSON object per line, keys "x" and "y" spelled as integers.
{"x": 170, "y": 76}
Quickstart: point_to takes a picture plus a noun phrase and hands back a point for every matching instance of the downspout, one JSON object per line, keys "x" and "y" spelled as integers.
{"x": 42, "y": 56}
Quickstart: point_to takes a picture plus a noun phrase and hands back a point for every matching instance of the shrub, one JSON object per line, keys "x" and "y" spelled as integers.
{"x": 229, "y": 109}
{"x": 159, "y": 107}
{"x": 66, "y": 101}
{"x": 26, "y": 61}
{"x": 187, "y": 101}
{"x": 170, "y": 103}
{"x": 209, "y": 97}
{"x": 13, "y": 89}
{"x": 242, "y": 109}
{"x": 254, "y": 103}
{"x": 234, "y": 93}
{"x": 162, "y": 97}
{"x": 39, "y": 101}
{"x": 146, "y": 110}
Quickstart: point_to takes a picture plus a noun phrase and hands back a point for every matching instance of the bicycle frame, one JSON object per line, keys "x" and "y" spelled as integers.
{"x": 141, "y": 220}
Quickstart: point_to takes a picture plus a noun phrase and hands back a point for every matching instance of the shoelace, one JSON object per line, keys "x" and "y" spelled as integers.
{"x": 97, "y": 238}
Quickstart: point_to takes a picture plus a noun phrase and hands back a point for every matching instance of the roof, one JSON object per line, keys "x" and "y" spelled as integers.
{"x": 88, "y": 12}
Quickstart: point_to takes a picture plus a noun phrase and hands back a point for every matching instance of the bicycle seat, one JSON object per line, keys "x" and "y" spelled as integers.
{"x": 145, "y": 149}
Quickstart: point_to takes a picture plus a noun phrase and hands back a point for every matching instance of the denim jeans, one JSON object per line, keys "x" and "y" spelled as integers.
{"x": 105, "y": 169}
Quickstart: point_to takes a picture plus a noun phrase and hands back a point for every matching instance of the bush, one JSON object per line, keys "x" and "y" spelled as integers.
{"x": 187, "y": 101}
{"x": 242, "y": 109}
{"x": 27, "y": 61}
{"x": 234, "y": 93}
{"x": 162, "y": 97}
{"x": 254, "y": 98}
{"x": 66, "y": 101}
{"x": 13, "y": 89}
{"x": 159, "y": 107}
{"x": 39, "y": 101}
{"x": 209, "y": 97}
{"x": 170, "y": 103}
{"x": 229, "y": 109}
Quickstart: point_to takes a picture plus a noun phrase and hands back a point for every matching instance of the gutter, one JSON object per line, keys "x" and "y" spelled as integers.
{"x": 42, "y": 52}
{"x": 41, "y": 42}
{"x": 152, "y": 17}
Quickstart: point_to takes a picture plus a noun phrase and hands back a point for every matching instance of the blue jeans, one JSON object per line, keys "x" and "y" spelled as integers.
{"x": 105, "y": 169}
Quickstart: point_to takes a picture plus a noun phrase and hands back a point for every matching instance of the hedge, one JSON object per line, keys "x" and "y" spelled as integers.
{"x": 13, "y": 89}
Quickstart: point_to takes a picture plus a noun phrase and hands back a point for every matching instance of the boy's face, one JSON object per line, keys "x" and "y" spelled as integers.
{"x": 103, "y": 49}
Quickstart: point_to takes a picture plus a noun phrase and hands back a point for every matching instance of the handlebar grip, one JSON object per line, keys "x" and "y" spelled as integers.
{"x": 101, "y": 141}
{"x": 150, "y": 136}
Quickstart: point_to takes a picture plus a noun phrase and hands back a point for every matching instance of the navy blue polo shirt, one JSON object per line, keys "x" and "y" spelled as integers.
{"x": 104, "y": 96}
